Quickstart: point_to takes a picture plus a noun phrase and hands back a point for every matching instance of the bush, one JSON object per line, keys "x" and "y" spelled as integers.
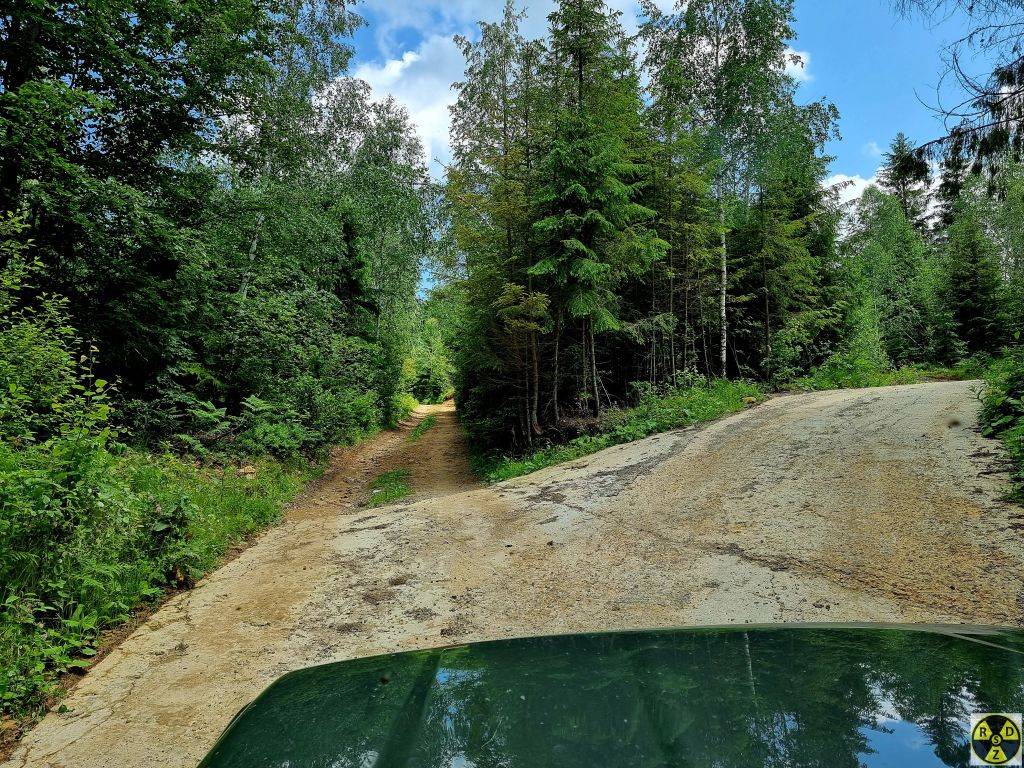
{"x": 402, "y": 405}
{"x": 88, "y": 528}
{"x": 1002, "y": 413}
{"x": 88, "y": 531}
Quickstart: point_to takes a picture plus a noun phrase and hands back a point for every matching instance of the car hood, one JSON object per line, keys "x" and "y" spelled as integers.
{"x": 751, "y": 696}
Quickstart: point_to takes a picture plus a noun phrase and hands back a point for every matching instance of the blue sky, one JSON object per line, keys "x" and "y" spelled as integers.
{"x": 876, "y": 67}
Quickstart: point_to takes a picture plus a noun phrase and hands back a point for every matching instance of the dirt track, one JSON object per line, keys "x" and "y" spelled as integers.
{"x": 871, "y": 505}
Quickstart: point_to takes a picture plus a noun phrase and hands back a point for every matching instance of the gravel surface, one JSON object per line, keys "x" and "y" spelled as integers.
{"x": 879, "y": 505}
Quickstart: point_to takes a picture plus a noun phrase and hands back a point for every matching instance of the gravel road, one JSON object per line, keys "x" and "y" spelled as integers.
{"x": 862, "y": 505}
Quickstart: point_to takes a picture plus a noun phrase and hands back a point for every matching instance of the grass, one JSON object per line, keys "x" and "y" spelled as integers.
{"x": 389, "y": 487}
{"x": 843, "y": 373}
{"x": 673, "y": 409}
{"x": 422, "y": 427}
{"x": 708, "y": 401}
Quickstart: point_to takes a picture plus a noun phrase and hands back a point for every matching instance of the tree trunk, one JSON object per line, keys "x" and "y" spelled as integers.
{"x": 534, "y": 420}
{"x": 554, "y": 379}
{"x": 243, "y": 290}
{"x": 654, "y": 332}
{"x": 723, "y": 347}
{"x": 672, "y": 314}
{"x": 593, "y": 368}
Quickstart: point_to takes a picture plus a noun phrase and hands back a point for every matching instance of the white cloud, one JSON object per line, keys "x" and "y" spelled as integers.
{"x": 854, "y": 186}
{"x": 871, "y": 149}
{"x": 799, "y": 70}
{"x": 421, "y": 81}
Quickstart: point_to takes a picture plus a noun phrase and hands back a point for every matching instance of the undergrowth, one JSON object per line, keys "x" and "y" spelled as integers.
{"x": 1002, "y": 412}
{"x": 847, "y": 372}
{"x": 655, "y": 412}
{"x": 89, "y": 532}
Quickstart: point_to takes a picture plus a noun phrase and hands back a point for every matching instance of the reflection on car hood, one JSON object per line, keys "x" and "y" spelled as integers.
{"x": 751, "y": 696}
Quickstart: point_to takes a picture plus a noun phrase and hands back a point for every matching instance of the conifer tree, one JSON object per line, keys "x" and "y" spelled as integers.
{"x": 733, "y": 55}
{"x": 906, "y": 176}
{"x": 591, "y": 230}
{"x": 971, "y": 288}
{"x": 893, "y": 262}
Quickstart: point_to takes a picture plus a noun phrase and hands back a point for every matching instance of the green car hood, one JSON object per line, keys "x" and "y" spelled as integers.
{"x": 828, "y": 696}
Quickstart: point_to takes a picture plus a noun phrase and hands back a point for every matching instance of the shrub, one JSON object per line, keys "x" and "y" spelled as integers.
{"x": 88, "y": 528}
{"x": 1002, "y": 412}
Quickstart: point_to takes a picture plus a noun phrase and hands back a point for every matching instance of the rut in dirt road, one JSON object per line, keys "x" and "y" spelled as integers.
{"x": 856, "y": 506}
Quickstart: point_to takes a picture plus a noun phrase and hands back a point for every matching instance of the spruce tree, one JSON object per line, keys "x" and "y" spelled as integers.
{"x": 591, "y": 230}
{"x": 733, "y": 55}
{"x": 906, "y": 176}
{"x": 893, "y": 260}
{"x": 971, "y": 287}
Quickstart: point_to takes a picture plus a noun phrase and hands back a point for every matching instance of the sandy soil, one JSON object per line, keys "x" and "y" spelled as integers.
{"x": 869, "y": 505}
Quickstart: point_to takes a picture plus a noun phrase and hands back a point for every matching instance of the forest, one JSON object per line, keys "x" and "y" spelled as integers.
{"x": 640, "y": 214}
{"x": 214, "y": 239}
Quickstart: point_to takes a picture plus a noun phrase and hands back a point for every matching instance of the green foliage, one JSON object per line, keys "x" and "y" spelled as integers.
{"x": 847, "y": 371}
{"x": 87, "y": 534}
{"x": 89, "y": 528}
{"x": 431, "y": 367}
{"x": 388, "y": 487}
{"x": 419, "y": 430}
{"x": 656, "y": 411}
{"x": 890, "y": 270}
{"x": 906, "y": 175}
{"x": 603, "y": 227}
{"x": 218, "y": 233}
{"x": 971, "y": 289}
{"x": 1002, "y": 412}
{"x": 402, "y": 406}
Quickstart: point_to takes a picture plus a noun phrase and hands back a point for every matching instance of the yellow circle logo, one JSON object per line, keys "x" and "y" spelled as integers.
{"x": 995, "y": 740}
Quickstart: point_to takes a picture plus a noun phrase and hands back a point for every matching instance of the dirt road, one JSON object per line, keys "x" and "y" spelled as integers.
{"x": 872, "y": 505}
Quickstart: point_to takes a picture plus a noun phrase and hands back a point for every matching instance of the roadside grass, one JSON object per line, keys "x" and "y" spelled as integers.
{"x": 703, "y": 402}
{"x": 391, "y": 486}
{"x": 841, "y": 372}
{"x": 81, "y": 556}
{"x": 1002, "y": 412}
{"x": 422, "y": 427}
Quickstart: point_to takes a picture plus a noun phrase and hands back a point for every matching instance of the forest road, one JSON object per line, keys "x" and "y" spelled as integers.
{"x": 857, "y": 506}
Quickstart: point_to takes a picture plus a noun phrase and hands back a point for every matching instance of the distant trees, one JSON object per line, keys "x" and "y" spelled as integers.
{"x": 971, "y": 286}
{"x": 892, "y": 265}
{"x": 938, "y": 299}
{"x": 730, "y": 58}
